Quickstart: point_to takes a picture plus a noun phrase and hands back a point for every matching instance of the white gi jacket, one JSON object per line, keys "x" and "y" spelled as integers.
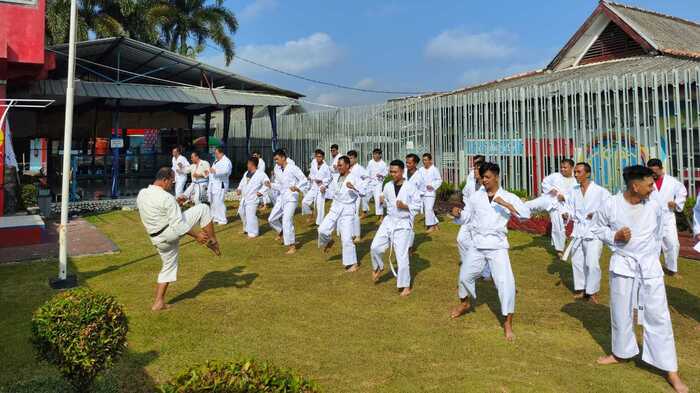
{"x": 671, "y": 190}
{"x": 291, "y": 176}
{"x": 181, "y": 167}
{"x": 250, "y": 187}
{"x": 261, "y": 165}
{"x": 218, "y": 182}
{"x": 488, "y": 221}
{"x": 557, "y": 181}
{"x": 470, "y": 187}
{"x": 430, "y": 177}
{"x": 408, "y": 194}
{"x": 318, "y": 174}
{"x": 416, "y": 179}
{"x": 334, "y": 164}
{"x": 640, "y": 256}
{"x": 160, "y": 212}
{"x": 377, "y": 171}
{"x": 579, "y": 206}
{"x": 361, "y": 174}
{"x": 344, "y": 198}
{"x": 200, "y": 170}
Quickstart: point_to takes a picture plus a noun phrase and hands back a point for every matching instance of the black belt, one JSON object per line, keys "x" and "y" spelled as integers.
{"x": 159, "y": 232}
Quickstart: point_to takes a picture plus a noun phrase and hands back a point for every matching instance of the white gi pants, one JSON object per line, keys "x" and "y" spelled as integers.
{"x": 314, "y": 197}
{"x": 464, "y": 243}
{"x": 248, "y": 213}
{"x": 356, "y": 221}
{"x": 499, "y": 262}
{"x": 658, "y": 342}
{"x": 399, "y": 240}
{"x": 343, "y": 220}
{"x": 195, "y": 191}
{"x": 180, "y": 185}
{"x": 545, "y": 202}
{"x": 670, "y": 245}
{"x": 281, "y": 219}
{"x": 377, "y": 195}
{"x": 428, "y": 205}
{"x": 168, "y": 243}
{"x": 218, "y": 207}
{"x": 585, "y": 263}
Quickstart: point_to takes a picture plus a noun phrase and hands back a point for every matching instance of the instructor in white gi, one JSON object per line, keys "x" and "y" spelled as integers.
{"x": 251, "y": 189}
{"x": 432, "y": 180}
{"x": 166, "y": 223}
{"x": 289, "y": 182}
{"x": 181, "y": 168}
{"x": 488, "y": 213}
{"x": 197, "y": 189}
{"x": 376, "y": 172}
{"x": 583, "y": 203}
{"x": 319, "y": 176}
{"x": 403, "y": 202}
{"x": 670, "y": 194}
{"x": 342, "y": 214}
{"x": 219, "y": 174}
{"x": 632, "y": 225}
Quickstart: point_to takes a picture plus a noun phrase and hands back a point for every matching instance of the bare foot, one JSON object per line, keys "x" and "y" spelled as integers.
{"x": 675, "y": 380}
{"x": 278, "y": 237}
{"x": 376, "y": 274}
{"x": 328, "y": 246}
{"x": 460, "y": 310}
{"x": 508, "y": 330}
{"x": 352, "y": 269}
{"x": 579, "y": 295}
{"x": 560, "y": 255}
{"x": 160, "y": 306}
{"x": 292, "y": 250}
{"x": 593, "y": 298}
{"x": 214, "y": 246}
{"x": 405, "y": 292}
{"x": 606, "y": 360}
{"x": 430, "y": 229}
{"x": 356, "y": 240}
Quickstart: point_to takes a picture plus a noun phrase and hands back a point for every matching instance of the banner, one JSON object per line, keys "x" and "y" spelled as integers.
{"x": 494, "y": 147}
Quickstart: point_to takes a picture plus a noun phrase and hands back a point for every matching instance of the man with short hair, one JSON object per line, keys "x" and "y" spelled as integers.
{"x": 289, "y": 182}
{"x": 262, "y": 168}
{"x": 432, "y": 180}
{"x": 197, "y": 190}
{"x": 335, "y": 156}
{"x": 583, "y": 203}
{"x": 555, "y": 187}
{"x": 472, "y": 184}
{"x": 488, "y": 213}
{"x": 342, "y": 214}
{"x": 413, "y": 176}
{"x": 319, "y": 178}
{"x": 219, "y": 174}
{"x": 377, "y": 171}
{"x": 464, "y": 236}
{"x": 181, "y": 167}
{"x": 670, "y": 194}
{"x": 361, "y": 177}
{"x": 250, "y": 190}
{"x": 165, "y": 223}
{"x": 403, "y": 202}
{"x": 277, "y": 174}
{"x": 632, "y": 224}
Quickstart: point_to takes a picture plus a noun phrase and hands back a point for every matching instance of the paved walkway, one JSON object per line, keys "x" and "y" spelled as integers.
{"x": 84, "y": 239}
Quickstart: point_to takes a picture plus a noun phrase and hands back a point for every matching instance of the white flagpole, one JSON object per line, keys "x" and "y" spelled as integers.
{"x": 67, "y": 139}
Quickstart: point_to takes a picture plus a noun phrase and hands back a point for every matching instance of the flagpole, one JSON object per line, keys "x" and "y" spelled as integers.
{"x": 64, "y": 280}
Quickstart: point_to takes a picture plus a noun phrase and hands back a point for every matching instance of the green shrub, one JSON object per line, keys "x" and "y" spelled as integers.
{"x": 445, "y": 191}
{"x": 246, "y": 376}
{"x": 522, "y": 194}
{"x": 29, "y": 196}
{"x": 684, "y": 221}
{"x": 80, "y": 332}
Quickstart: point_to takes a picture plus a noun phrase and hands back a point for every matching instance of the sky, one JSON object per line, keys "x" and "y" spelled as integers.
{"x": 405, "y": 45}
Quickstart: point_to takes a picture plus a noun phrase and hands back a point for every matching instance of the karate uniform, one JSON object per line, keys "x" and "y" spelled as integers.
{"x": 464, "y": 236}
{"x": 341, "y": 215}
{"x": 250, "y": 186}
{"x": 489, "y": 224}
{"x": 430, "y": 177}
{"x": 417, "y": 180}
{"x": 166, "y": 223}
{"x": 333, "y": 167}
{"x": 319, "y": 176}
{"x": 181, "y": 167}
{"x": 361, "y": 177}
{"x": 198, "y": 187}
{"x": 637, "y": 281}
{"x": 396, "y": 229}
{"x": 261, "y": 168}
{"x": 281, "y": 217}
{"x": 376, "y": 172}
{"x": 671, "y": 190}
{"x": 276, "y": 173}
{"x": 562, "y": 185}
{"x": 586, "y": 247}
{"x": 218, "y": 186}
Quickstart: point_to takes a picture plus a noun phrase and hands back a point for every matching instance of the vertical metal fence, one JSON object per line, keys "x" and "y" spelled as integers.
{"x": 609, "y": 122}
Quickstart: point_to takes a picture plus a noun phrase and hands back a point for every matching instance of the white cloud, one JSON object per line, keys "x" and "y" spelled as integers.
{"x": 366, "y": 83}
{"x": 315, "y": 51}
{"x": 257, "y": 7}
{"x": 457, "y": 44}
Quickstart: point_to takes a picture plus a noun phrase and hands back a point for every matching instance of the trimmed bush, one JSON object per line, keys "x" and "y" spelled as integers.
{"x": 80, "y": 332}
{"x": 245, "y": 376}
{"x": 685, "y": 222}
{"x": 445, "y": 191}
{"x": 522, "y": 194}
{"x": 29, "y": 196}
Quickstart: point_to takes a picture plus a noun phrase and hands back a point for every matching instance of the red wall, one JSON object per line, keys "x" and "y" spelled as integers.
{"x": 22, "y": 30}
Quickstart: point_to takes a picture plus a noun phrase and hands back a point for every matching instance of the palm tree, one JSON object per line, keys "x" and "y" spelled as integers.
{"x": 186, "y": 25}
{"x": 93, "y": 19}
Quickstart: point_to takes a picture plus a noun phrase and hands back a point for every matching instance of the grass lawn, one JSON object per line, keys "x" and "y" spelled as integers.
{"x": 340, "y": 329}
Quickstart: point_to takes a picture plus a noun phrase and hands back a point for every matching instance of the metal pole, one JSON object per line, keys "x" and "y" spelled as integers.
{"x": 67, "y": 139}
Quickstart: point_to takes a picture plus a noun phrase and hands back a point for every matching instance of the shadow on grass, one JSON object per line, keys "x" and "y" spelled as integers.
{"x": 218, "y": 279}
{"x": 131, "y": 372}
{"x": 684, "y": 302}
{"x": 595, "y": 318}
{"x": 417, "y": 265}
{"x": 564, "y": 271}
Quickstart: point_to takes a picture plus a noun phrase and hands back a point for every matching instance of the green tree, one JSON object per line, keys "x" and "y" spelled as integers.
{"x": 93, "y": 19}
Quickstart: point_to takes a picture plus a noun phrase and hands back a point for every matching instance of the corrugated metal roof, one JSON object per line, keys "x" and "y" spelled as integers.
{"x": 158, "y": 93}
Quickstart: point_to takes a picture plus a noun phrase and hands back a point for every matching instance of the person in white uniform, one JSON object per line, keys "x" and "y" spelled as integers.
{"x": 265, "y": 200}
{"x": 251, "y": 189}
{"x": 432, "y": 180}
{"x": 341, "y": 216}
{"x": 319, "y": 177}
{"x": 196, "y": 192}
{"x": 165, "y": 223}
{"x": 335, "y": 156}
{"x": 289, "y": 182}
{"x": 377, "y": 170}
{"x": 555, "y": 187}
{"x": 403, "y": 202}
{"x": 632, "y": 225}
{"x": 181, "y": 167}
{"x": 219, "y": 174}
{"x": 583, "y": 203}
{"x": 361, "y": 177}
{"x": 670, "y": 194}
{"x": 276, "y": 174}
{"x": 464, "y": 236}
{"x": 488, "y": 213}
{"x": 413, "y": 176}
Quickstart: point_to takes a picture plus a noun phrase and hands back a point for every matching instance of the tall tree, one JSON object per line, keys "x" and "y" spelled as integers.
{"x": 93, "y": 19}
{"x": 186, "y": 25}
